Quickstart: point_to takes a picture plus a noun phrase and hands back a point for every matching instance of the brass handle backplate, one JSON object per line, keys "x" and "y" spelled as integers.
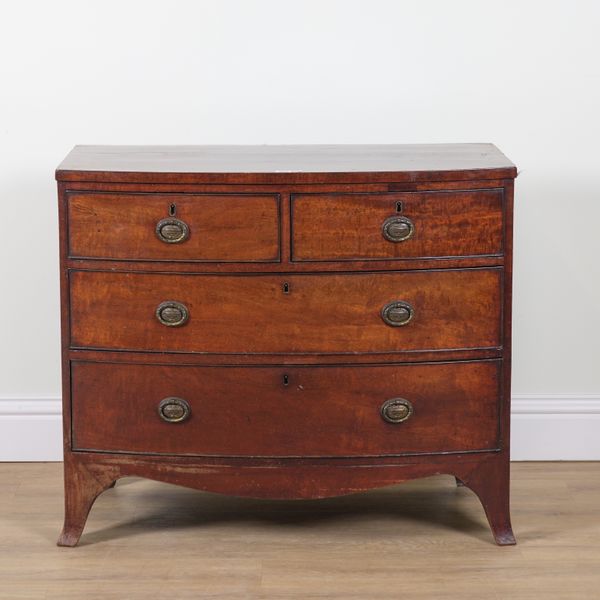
{"x": 396, "y": 410}
{"x": 397, "y": 229}
{"x": 172, "y": 231}
{"x": 172, "y": 313}
{"x": 397, "y": 314}
{"x": 174, "y": 410}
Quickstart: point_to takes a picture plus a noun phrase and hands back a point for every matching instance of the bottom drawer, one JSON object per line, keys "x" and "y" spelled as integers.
{"x": 286, "y": 411}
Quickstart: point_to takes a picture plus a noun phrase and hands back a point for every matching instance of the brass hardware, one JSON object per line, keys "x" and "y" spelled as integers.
{"x": 172, "y": 231}
{"x": 397, "y": 229}
{"x": 398, "y": 313}
{"x": 172, "y": 313}
{"x": 396, "y": 410}
{"x": 174, "y": 410}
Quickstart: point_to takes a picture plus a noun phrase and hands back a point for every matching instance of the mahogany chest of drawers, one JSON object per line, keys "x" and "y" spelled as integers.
{"x": 286, "y": 322}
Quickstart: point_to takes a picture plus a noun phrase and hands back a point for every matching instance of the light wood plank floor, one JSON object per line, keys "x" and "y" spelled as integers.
{"x": 423, "y": 539}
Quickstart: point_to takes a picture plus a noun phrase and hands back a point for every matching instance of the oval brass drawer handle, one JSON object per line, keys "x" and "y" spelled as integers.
{"x": 172, "y": 231}
{"x": 172, "y": 313}
{"x": 398, "y": 313}
{"x": 174, "y": 410}
{"x": 396, "y": 410}
{"x": 397, "y": 229}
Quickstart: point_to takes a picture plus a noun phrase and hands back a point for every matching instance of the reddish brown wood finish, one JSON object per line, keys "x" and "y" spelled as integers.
{"x": 281, "y": 411}
{"x": 227, "y": 228}
{"x": 467, "y": 317}
{"x": 454, "y": 309}
{"x": 329, "y": 227}
{"x": 285, "y": 164}
{"x": 87, "y": 474}
{"x": 286, "y": 192}
{"x": 82, "y": 486}
{"x": 194, "y": 358}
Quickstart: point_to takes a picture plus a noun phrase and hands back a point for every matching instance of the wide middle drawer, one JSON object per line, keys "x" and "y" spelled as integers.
{"x": 288, "y": 314}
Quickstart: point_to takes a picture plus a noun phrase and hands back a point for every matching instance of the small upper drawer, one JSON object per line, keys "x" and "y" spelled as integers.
{"x": 184, "y": 227}
{"x": 384, "y": 226}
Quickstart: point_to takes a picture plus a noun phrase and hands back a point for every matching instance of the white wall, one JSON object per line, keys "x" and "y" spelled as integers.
{"x": 524, "y": 75}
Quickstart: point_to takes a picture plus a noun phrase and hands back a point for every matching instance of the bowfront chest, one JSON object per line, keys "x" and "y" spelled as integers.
{"x": 286, "y": 322}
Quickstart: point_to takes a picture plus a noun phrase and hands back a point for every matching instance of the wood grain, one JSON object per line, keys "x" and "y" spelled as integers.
{"x": 285, "y": 164}
{"x": 228, "y": 228}
{"x": 328, "y": 227}
{"x": 314, "y": 411}
{"x": 285, "y": 191}
{"x": 211, "y": 360}
{"x": 322, "y": 314}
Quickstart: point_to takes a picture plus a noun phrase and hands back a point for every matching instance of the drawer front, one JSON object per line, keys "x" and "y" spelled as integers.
{"x": 185, "y": 227}
{"x": 280, "y": 411}
{"x": 322, "y": 313}
{"x": 397, "y": 226}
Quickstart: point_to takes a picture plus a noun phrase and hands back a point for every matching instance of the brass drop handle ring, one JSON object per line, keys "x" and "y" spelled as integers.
{"x": 172, "y": 231}
{"x": 396, "y": 410}
{"x": 397, "y": 229}
{"x": 174, "y": 410}
{"x": 172, "y": 313}
{"x": 397, "y": 314}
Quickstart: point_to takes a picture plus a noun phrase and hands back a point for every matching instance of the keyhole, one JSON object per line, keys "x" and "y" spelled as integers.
{"x": 172, "y": 210}
{"x": 286, "y": 288}
{"x": 399, "y": 206}
{"x": 286, "y": 380}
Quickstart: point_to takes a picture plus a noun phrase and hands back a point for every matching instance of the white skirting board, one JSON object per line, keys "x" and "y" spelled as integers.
{"x": 565, "y": 427}
{"x": 544, "y": 427}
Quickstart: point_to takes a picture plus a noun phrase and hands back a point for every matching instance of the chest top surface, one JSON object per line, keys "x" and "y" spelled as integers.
{"x": 291, "y": 164}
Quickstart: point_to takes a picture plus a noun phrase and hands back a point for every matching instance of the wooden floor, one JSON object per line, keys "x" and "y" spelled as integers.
{"x": 424, "y": 539}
